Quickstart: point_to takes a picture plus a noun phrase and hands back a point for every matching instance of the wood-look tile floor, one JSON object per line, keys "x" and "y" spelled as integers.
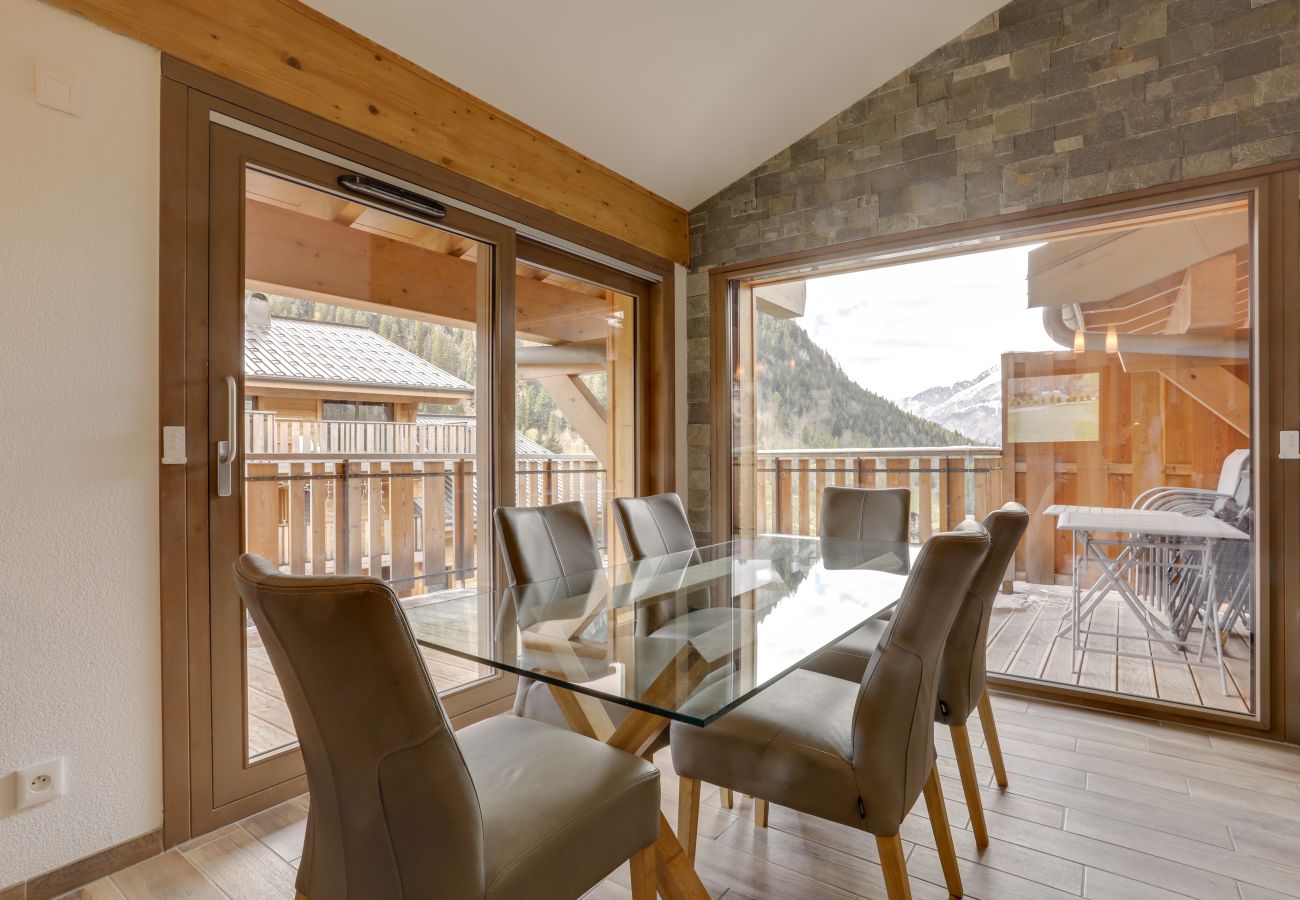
{"x": 1099, "y": 806}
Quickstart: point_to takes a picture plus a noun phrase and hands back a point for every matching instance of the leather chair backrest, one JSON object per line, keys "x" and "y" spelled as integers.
{"x": 653, "y": 526}
{"x": 962, "y": 674}
{"x": 394, "y": 812}
{"x": 869, "y": 515}
{"x": 893, "y": 722}
{"x": 539, "y": 543}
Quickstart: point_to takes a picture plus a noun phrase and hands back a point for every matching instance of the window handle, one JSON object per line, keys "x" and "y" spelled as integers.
{"x": 227, "y": 450}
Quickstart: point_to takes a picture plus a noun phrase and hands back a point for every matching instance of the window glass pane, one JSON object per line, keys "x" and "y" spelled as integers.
{"x": 337, "y": 411}
{"x": 1095, "y": 375}
{"x": 385, "y": 486}
{"x": 374, "y": 412}
{"x": 575, "y": 402}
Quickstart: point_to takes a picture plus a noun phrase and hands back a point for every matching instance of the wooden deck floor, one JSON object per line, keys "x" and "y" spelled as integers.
{"x": 1099, "y": 806}
{"x": 1022, "y": 641}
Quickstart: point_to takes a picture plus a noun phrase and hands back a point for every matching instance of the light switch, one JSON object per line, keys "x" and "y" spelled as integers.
{"x": 58, "y": 90}
{"x": 1288, "y": 445}
{"x": 174, "y": 445}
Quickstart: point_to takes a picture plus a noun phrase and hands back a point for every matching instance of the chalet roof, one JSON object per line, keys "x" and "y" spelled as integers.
{"x": 326, "y": 353}
{"x": 523, "y": 443}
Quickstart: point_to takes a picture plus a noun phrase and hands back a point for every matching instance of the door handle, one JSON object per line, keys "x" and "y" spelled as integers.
{"x": 228, "y": 449}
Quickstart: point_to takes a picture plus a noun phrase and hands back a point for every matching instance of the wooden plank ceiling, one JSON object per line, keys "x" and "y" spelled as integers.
{"x": 292, "y": 53}
{"x": 302, "y": 242}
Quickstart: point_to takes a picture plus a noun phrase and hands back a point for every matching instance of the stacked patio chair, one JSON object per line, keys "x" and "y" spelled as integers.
{"x": 1172, "y": 579}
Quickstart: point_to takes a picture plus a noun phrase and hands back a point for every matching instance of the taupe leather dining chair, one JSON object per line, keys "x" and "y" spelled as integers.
{"x": 869, "y": 515}
{"x": 866, "y": 516}
{"x": 963, "y": 673}
{"x": 401, "y": 806}
{"x": 653, "y": 526}
{"x": 539, "y": 543}
{"x": 855, "y": 754}
{"x": 863, "y": 516}
{"x": 657, "y": 526}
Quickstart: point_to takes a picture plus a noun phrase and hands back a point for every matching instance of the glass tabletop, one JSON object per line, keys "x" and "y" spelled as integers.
{"x": 687, "y": 636}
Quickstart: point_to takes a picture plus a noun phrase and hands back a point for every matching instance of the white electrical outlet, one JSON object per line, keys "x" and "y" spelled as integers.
{"x": 40, "y": 783}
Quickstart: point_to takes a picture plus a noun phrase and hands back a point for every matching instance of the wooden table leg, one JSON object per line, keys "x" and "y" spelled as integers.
{"x": 676, "y": 877}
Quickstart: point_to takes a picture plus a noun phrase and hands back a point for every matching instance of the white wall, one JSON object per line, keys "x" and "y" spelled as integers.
{"x": 79, "y": 625}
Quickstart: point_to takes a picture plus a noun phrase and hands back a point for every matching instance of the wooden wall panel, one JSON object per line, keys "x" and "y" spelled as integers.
{"x": 1150, "y": 433}
{"x": 292, "y": 53}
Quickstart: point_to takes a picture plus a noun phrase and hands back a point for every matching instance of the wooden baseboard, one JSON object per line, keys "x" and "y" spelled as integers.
{"x": 87, "y": 869}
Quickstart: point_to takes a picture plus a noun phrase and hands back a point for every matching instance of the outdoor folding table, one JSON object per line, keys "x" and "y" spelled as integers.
{"x": 1136, "y": 533}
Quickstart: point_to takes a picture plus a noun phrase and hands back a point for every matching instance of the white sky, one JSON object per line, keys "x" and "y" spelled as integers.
{"x": 899, "y": 330}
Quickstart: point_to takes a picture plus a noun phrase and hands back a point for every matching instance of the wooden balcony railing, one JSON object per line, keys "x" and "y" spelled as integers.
{"x": 947, "y": 483}
{"x": 315, "y": 503}
{"x": 408, "y": 520}
{"x": 399, "y": 499}
{"x": 267, "y": 432}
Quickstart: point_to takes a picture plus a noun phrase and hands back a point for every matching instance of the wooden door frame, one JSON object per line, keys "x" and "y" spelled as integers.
{"x": 1275, "y": 406}
{"x": 189, "y": 98}
{"x": 232, "y": 152}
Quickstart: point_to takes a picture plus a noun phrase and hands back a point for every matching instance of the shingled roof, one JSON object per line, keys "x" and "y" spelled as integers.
{"x": 294, "y": 350}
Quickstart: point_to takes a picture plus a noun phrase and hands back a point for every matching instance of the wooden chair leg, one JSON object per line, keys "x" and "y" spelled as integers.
{"x": 991, "y": 742}
{"x": 891, "y": 860}
{"x": 727, "y": 798}
{"x": 643, "y": 873}
{"x": 942, "y": 833}
{"x": 688, "y": 814}
{"x": 760, "y": 813}
{"x": 970, "y": 785}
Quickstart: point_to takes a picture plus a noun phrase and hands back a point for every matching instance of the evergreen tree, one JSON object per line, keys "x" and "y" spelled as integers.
{"x": 806, "y": 400}
{"x": 804, "y": 397}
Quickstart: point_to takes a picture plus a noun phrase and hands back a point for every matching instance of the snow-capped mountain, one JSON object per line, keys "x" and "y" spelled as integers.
{"x": 972, "y": 407}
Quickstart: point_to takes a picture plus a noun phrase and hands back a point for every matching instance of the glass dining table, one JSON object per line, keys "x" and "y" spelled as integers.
{"x": 686, "y": 637}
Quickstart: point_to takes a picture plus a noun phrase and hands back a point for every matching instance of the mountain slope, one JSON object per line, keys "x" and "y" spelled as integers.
{"x": 973, "y": 407}
{"x": 806, "y": 400}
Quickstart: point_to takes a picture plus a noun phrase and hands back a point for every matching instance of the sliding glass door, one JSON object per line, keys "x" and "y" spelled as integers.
{"x": 365, "y": 415}
{"x": 353, "y": 399}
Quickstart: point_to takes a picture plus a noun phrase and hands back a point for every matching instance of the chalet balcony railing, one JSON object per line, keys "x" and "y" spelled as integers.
{"x": 947, "y": 483}
{"x": 358, "y": 496}
{"x": 267, "y": 432}
{"x": 317, "y": 504}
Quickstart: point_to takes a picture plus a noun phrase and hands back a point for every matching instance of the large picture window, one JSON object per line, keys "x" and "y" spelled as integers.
{"x": 1100, "y": 373}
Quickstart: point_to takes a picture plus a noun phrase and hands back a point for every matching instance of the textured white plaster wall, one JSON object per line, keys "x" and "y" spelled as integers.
{"x": 79, "y": 645}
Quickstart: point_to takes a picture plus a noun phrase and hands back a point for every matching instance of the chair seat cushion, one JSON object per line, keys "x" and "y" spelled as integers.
{"x": 540, "y": 706}
{"x": 560, "y": 811}
{"x": 791, "y": 744}
{"x": 848, "y": 659}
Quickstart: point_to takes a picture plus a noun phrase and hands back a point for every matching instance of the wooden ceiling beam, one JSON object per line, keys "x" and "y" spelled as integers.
{"x": 1218, "y": 390}
{"x": 294, "y": 54}
{"x": 314, "y": 259}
